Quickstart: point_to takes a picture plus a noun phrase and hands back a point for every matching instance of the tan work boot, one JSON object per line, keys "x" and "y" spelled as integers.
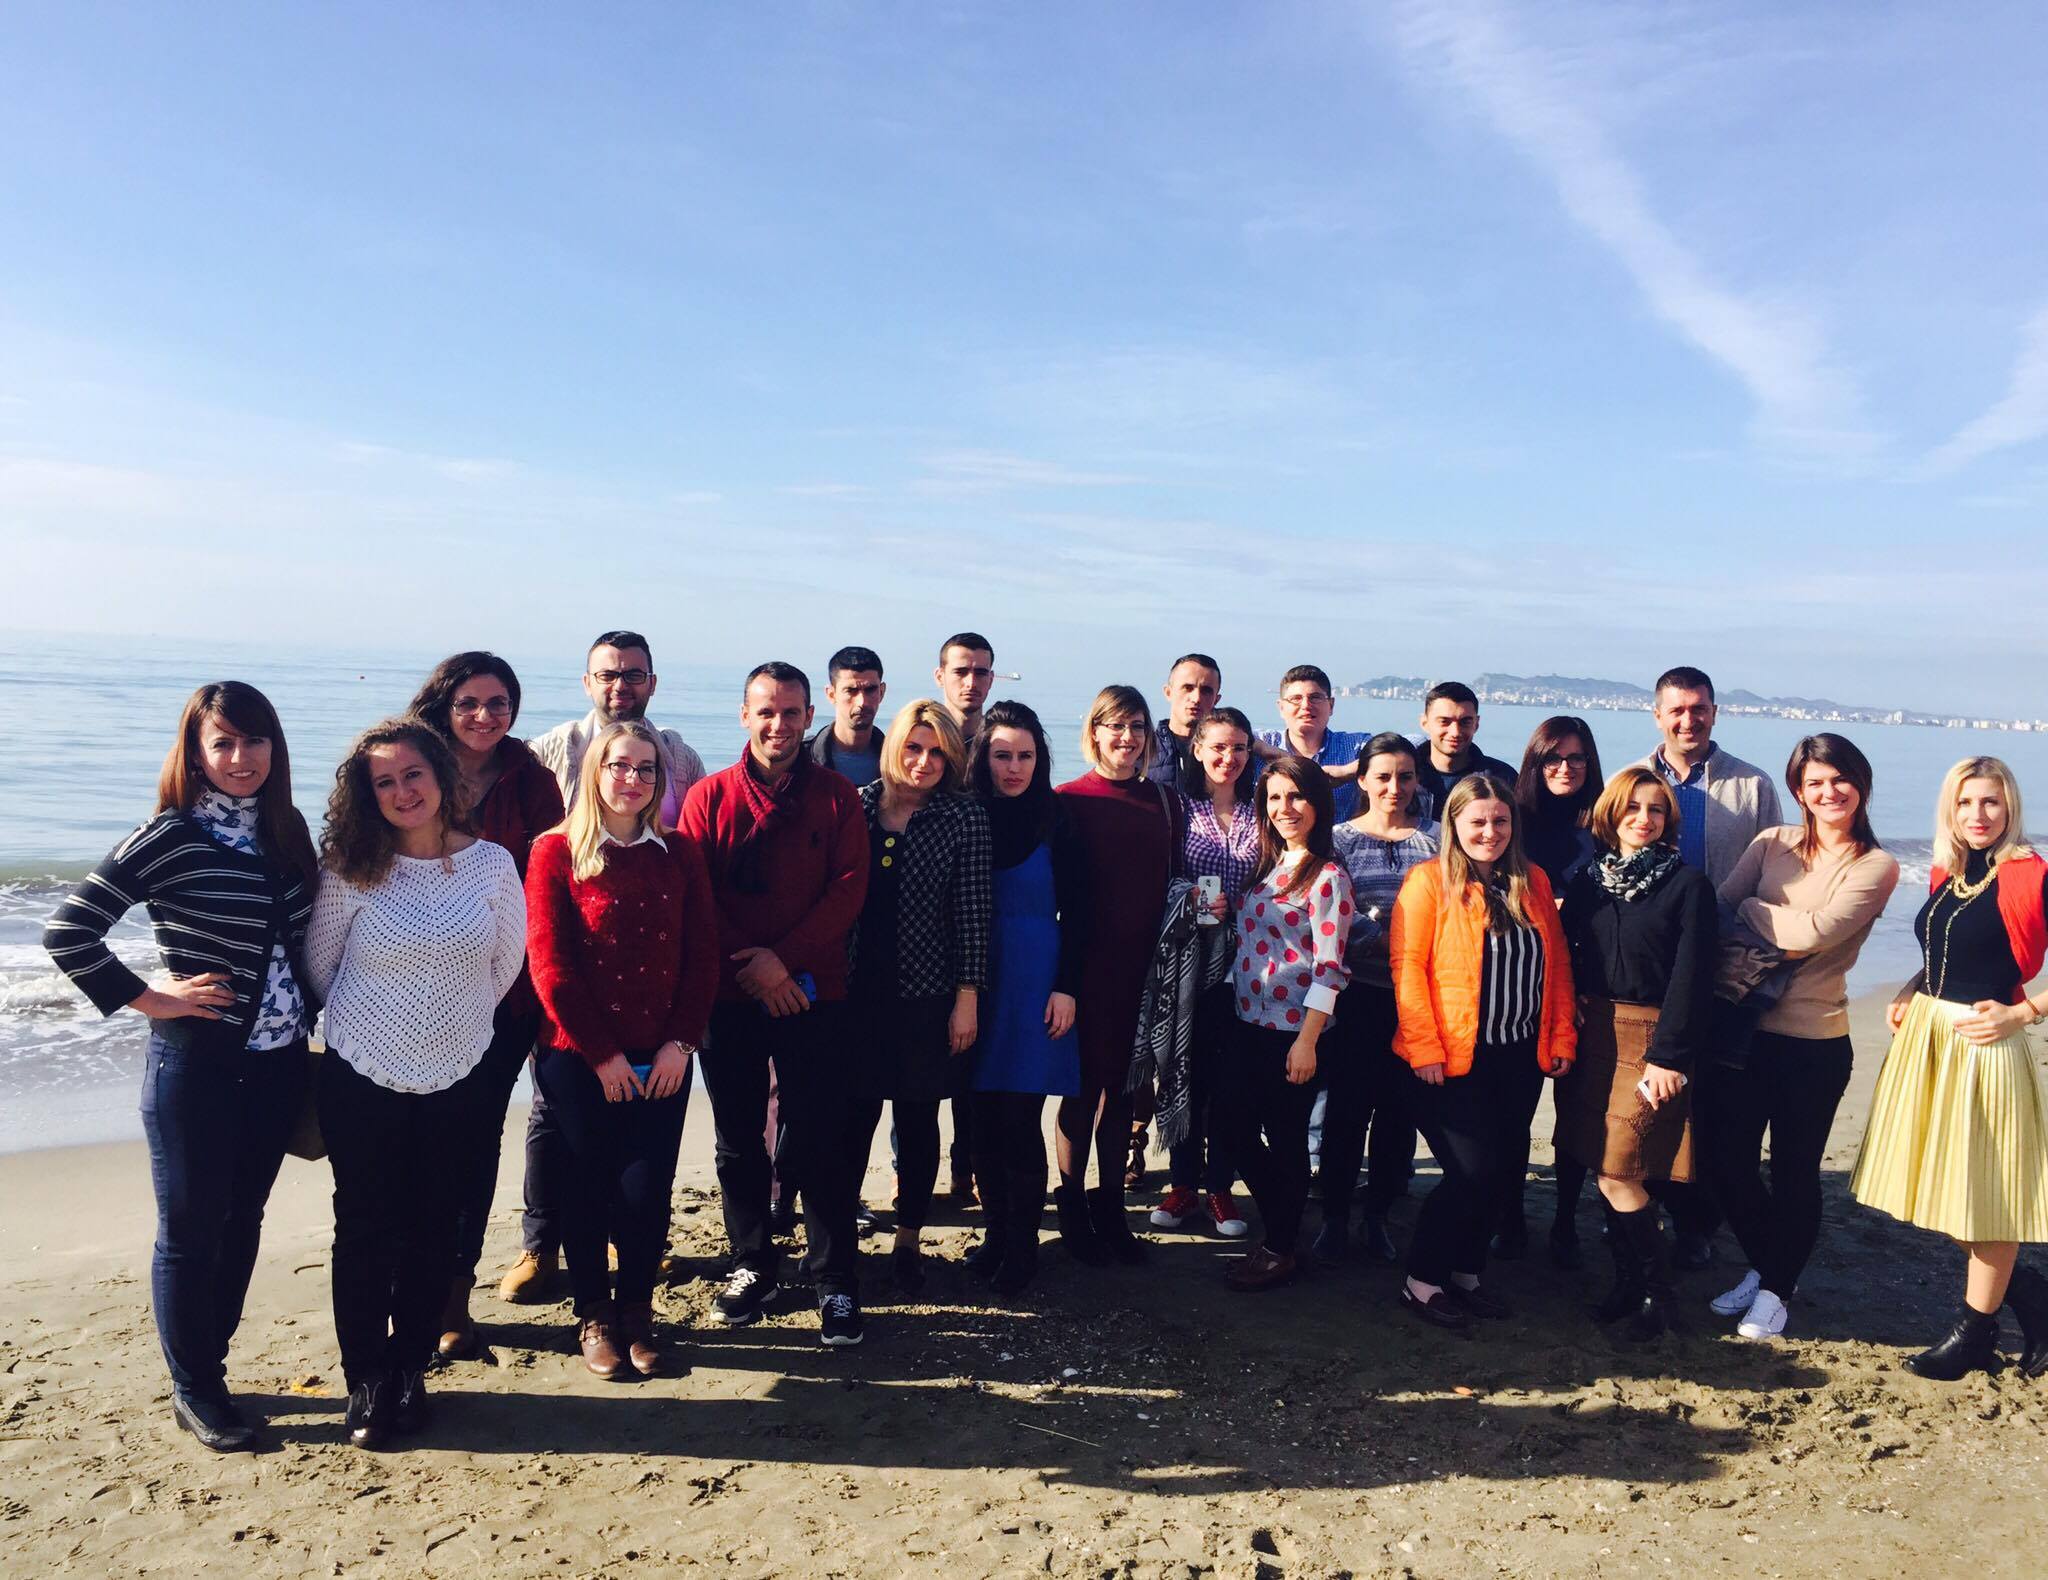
{"x": 526, "y": 1281}
{"x": 597, "y": 1336}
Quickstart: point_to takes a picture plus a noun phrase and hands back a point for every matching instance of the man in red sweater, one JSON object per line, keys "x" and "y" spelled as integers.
{"x": 786, "y": 845}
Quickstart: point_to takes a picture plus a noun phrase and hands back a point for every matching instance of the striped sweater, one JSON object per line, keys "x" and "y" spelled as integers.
{"x": 212, "y": 909}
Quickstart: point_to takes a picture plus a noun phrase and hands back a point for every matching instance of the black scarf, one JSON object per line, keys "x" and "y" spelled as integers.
{"x": 1632, "y": 877}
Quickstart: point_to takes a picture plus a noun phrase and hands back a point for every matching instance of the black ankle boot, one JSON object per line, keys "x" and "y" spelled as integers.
{"x": 1630, "y": 1289}
{"x": 1077, "y": 1232}
{"x": 1112, "y": 1228}
{"x": 983, "y": 1261}
{"x": 1970, "y": 1346}
{"x": 2027, "y": 1298}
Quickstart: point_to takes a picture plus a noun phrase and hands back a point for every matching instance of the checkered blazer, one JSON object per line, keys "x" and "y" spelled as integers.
{"x": 943, "y": 895}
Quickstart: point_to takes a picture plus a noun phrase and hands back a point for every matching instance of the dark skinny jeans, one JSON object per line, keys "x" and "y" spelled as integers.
{"x": 1367, "y": 1083}
{"x": 400, "y": 1159}
{"x": 1471, "y": 1123}
{"x": 622, "y": 1168}
{"x": 1202, "y": 1161}
{"x": 1268, "y": 1130}
{"x": 511, "y": 1041}
{"x": 217, "y": 1127}
{"x": 1790, "y": 1087}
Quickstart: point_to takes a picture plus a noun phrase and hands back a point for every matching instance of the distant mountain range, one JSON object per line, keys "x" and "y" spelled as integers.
{"x": 1574, "y": 691}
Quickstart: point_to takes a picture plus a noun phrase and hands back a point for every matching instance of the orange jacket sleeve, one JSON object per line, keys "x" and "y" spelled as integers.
{"x": 1560, "y": 1039}
{"x": 1411, "y": 946}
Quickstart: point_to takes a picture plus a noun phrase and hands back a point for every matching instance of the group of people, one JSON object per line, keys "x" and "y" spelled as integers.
{"x": 1288, "y": 953}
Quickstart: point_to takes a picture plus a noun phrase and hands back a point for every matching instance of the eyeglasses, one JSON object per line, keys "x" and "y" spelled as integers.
{"x": 622, "y": 771}
{"x": 612, "y": 677}
{"x": 1296, "y": 704}
{"x": 1564, "y": 759}
{"x": 1124, "y": 727}
{"x": 496, "y": 707}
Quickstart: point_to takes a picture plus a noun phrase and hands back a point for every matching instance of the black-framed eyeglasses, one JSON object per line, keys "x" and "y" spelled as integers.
{"x": 622, "y": 771}
{"x": 1564, "y": 759}
{"x": 632, "y": 677}
{"x": 470, "y": 707}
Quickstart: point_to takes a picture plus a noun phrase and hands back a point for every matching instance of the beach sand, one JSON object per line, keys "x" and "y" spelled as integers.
{"x": 1140, "y": 1422}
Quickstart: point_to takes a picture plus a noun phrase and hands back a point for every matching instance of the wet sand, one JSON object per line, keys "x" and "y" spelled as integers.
{"x": 1141, "y": 1422}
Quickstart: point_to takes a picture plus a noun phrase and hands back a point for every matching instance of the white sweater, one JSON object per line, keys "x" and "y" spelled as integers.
{"x": 412, "y": 969}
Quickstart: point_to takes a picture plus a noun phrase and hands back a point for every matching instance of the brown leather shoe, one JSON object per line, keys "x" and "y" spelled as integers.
{"x": 526, "y": 1281}
{"x": 636, "y": 1322}
{"x": 458, "y": 1332}
{"x": 597, "y": 1335}
{"x": 1264, "y": 1268}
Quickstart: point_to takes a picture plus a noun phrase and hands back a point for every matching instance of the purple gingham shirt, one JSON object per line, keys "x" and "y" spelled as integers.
{"x": 1206, "y": 851}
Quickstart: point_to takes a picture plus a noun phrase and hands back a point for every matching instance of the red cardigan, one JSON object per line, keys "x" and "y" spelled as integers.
{"x": 624, "y": 961}
{"x": 523, "y": 802}
{"x": 2020, "y": 907}
{"x": 814, "y": 875}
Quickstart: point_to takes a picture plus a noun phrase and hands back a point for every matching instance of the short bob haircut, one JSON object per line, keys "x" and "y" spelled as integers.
{"x": 1609, "y": 810}
{"x": 1951, "y": 850}
{"x": 1113, "y": 703}
{"x": 357, "y": 843}
{"x": 435, "y": 700}
{"x": 933, "y": 716}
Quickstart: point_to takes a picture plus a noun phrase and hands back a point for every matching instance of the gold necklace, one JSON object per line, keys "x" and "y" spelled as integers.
{"x": 1963, "y": 893}
{"x": 1966, "y": 892}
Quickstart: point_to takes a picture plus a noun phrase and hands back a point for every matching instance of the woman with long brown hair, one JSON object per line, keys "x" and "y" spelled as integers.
{"x": 226, "y": 871}
{"x": 418, "y": 931}
{"x": 1958, "y": 1134}
{"x": 1292, "y": 925}
{"x": 1126, "y": 827}
{"x": 472, "y": 698}
{"x": 1812, "y": 889}
{"x": 1484, "y": 986}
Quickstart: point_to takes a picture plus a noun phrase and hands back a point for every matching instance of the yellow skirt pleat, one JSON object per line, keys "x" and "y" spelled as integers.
{"x": 1958, "y": 1135}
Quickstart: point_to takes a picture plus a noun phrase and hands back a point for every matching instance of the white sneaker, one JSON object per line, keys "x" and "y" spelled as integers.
{"x": 1766, "y": 1319}
{"x": 1733, "y": 1302}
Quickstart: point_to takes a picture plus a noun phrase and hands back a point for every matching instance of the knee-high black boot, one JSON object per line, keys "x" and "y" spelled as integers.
{"x": 1626, "y": 1298}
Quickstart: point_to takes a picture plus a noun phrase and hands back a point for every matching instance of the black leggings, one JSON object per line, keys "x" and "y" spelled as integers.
{"x": 1790, "y": 1087}
{"x": 1009, "y": 1167}
{"x": 1106, "y": 1117}
{"x": 1527, "y": 1096}
{"x": 1471, "y": 1123}
{"x": 1368, "y": 1086}
{"x": 1267, "y": 1120}
{"x": 915, "y": 1127}
{"x": 1202, "y": 1161}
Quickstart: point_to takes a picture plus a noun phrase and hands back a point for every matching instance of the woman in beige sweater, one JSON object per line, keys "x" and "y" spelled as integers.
{"x": 1812, "y": 889}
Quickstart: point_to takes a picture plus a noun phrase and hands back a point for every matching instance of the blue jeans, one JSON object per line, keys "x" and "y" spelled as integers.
{"x": 217, "y": 1127}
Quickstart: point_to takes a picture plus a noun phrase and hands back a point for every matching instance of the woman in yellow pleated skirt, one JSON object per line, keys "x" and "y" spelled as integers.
{"x": 1958, "y": 1133}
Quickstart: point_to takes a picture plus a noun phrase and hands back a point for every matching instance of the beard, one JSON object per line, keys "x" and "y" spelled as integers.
{"x": 626, "y": 715}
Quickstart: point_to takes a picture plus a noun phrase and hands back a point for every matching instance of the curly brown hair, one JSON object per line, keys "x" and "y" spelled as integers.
{"x": 357, "y": 843}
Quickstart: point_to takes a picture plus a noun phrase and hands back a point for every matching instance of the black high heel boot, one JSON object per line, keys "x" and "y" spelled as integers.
{"x": 1077, "y": 1232}
{"x": 1625, "y": 1299}
{"x": 2027, "y": 1298}
{"x": 1655, "y": 1314}
{"x": 1970, "y": 1346}
{"x": 1112, "y": 1228}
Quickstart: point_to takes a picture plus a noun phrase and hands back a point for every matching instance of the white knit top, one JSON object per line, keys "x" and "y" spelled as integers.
{"x": 412, "y": 968}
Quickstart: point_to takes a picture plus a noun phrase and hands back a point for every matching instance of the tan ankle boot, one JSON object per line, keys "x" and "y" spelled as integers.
{"x": 636, "y": 1322}
{"x": 597, "y": 1335}
{"x": 526, "y": 1280}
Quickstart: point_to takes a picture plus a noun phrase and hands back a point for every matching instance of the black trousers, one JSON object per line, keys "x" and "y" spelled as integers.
{"x": 1791, "y": 1088}
{"x": 1471, "y": 1123}
{"x": 217, "y": 1127}
{"x": 1009, "y": 1166}
{"x": 1267, "y": 1119}
{"x": 1202, "y": 1161}
{"x": 819, "y": 1114}
{"x": 1367, "y": 1085}
{"x": 1526, "y": 1093}
{"x": 914, "y": 1127}
{"x": 512, "y": 1037}
{"x": 399, "y": 1162}
{"x": 622, "y": 1168}
{"x": 547, "y": 1161}
{"x": 960, "y": 1155}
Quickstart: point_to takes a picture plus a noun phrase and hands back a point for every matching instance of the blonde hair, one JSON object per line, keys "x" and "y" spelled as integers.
{"x": 1613, "y": 803}
{"x": 583, "y": 827}
{"x": 1951, "y": 850}
{"x": 1507, "y": 900}
{"x": 934, "y": 717}
{"x": 1115, "y": 702}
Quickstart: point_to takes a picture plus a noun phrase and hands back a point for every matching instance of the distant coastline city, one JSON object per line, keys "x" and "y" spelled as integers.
{"x": 1618, "y": 696}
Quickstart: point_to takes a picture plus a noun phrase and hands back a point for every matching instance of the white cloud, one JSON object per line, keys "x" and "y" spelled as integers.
{"x": 2021, "y": 415}
{"x": 957, "y": 472}
{"x": 1804, "y": 404}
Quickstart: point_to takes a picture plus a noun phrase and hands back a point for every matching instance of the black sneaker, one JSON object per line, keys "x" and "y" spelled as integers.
{"x": 216, "y": 1423}
{"x": 745, "y": 1296}
{"x": 864, "y": 1222}
{"x": 839, "y": 1322}
{"x": 410, "y": 1410}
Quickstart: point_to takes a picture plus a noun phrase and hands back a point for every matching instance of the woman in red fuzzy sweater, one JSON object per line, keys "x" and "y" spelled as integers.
{"x": 622, "y": 941}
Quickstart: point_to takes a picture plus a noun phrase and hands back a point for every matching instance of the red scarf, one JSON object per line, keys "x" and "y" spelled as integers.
{"x": 768, "y": 807}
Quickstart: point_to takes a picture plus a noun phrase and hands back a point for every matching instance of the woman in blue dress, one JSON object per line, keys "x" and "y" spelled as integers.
{"x": 1024, "y": 1054}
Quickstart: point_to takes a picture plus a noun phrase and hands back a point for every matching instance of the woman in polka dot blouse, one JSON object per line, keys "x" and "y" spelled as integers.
{"x": 1292, "y": 927}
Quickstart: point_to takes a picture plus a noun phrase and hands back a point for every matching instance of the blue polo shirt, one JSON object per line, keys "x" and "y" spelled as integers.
{"x": 1340, "y": 747}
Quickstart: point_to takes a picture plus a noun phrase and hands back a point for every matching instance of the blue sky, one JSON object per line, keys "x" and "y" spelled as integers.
{"x": 1425, "y": 338}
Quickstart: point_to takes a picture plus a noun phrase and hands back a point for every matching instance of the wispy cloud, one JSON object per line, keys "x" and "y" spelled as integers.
{"x": 1804, "y": 404}
{"x": 455, "y": 468}
{"x": 2021, "y": 415}
{"x": 958, "y": 472}
{"x": 825, "y": 490}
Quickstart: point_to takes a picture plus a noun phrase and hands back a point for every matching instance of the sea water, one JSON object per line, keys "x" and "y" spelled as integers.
{"x": 86, "y": 723}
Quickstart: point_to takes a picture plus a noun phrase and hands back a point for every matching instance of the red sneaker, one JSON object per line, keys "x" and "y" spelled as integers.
{"x": 1224, "y": 1214}
{"x": 1175, "y": 1208}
